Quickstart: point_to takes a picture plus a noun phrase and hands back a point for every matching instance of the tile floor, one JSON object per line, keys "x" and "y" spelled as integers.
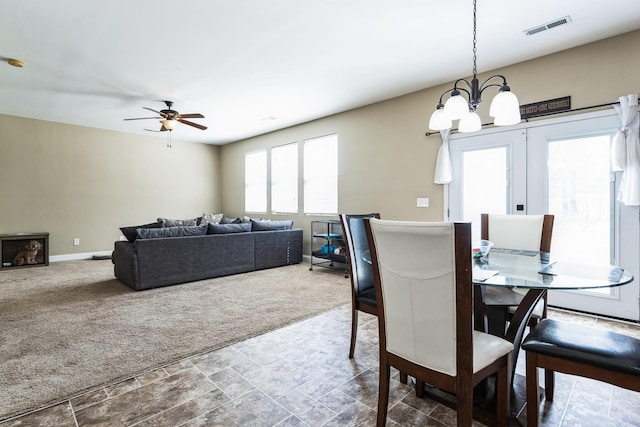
{"x": 300, "y": 375}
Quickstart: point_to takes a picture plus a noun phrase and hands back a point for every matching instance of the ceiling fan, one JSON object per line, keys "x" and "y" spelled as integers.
{"x": 169, "y": 118}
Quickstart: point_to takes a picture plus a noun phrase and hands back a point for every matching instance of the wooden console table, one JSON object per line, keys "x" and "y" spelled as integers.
{"x": 13, "y": 243}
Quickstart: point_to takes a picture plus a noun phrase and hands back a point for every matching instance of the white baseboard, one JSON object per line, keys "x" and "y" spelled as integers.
{"x": 72, "y": 257}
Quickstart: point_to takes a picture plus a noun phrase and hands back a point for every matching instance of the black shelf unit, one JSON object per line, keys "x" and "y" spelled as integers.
{"x": 328, "y": 245}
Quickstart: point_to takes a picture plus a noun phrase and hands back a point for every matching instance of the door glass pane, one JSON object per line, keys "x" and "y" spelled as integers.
{"x": 484, "y": 184}
{"x": 580, "y": 198}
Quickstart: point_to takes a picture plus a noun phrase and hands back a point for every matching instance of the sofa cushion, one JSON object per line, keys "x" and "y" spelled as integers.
{"x": 227, "y": 220}
{"x": 228, "y": 228}
{"x": 270, "y": 225}
{"x": 168, "y": 222}
{"x": 130, "y": 231}
{"x": 181, "y": 231}
{"x": 211, "y": 218}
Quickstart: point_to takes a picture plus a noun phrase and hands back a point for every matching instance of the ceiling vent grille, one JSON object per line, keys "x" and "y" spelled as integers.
{"x": 548, "y": 25}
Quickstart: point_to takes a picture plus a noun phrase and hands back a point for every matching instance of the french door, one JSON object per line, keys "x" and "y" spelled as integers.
{"x": 558, "y": 166}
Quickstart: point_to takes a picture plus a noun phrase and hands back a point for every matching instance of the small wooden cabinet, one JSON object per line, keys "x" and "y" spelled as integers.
{"x": 21, "y": 250}
{"x": 328, "y": 245}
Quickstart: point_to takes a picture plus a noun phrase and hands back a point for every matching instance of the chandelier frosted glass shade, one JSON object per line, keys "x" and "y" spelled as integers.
{"x": 505, "y": 109}
{"x": 439, "y": 120}
{"x": 456, "y": 107}
{"x": 470, "y": 123}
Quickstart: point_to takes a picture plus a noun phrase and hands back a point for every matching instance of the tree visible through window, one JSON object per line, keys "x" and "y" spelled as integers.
{"x": 321, "y": 175}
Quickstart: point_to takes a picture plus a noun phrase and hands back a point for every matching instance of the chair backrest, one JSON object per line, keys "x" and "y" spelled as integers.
{"x": 356, "y": 245}
{"x": 424, "y": 289}
{"x": 523, "y": 232}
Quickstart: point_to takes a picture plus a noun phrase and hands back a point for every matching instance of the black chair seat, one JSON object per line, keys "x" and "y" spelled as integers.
{"x": 582, "y": 344}
{"x": 368, "y": 297}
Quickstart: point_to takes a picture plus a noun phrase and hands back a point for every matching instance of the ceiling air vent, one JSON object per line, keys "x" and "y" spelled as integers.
{"x": 548, "y": 25}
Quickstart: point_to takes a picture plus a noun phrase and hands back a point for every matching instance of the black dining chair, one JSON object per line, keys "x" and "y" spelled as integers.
{"x": 363, "y": 294}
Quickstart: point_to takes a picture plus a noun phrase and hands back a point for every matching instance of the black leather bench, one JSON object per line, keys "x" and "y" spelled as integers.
{"x": 578, "y": 350}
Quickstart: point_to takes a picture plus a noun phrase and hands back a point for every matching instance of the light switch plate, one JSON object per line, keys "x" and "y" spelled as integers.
{"x": 423, "y": 202}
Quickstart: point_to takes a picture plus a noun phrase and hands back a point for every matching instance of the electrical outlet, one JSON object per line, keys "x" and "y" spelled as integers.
{"x": 422, "y": 202}
{"x": 76, "y": 242}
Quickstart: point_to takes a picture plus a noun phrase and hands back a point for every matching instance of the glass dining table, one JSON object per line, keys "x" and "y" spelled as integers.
{"x": 537, "y": 273}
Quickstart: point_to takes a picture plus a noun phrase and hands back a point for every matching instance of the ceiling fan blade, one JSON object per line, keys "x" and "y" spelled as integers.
{"x": 190, "y": 116}
{"x": 144, "y": 118}
{"x": 156, "y": 111}
{"x": 151, "y": 130}
{"x": 195, "y": 125}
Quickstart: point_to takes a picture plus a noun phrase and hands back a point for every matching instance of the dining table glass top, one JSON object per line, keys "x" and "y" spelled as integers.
{"x": 537, "y": 270}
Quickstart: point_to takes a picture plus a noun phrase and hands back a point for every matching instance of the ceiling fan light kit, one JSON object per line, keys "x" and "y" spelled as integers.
{"x": 505, "y": 108}
{"x": 168, "y": 124}
{"x": 170, "y": 118}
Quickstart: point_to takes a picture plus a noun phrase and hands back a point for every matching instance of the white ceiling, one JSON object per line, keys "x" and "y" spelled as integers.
{"x": 253, "y": 66}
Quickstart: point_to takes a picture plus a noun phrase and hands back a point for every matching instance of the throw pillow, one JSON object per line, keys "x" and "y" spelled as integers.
{"x": 168, "y": 222}
{"x": 130, "y": 231}
{"x": 228, "y": 228}
{"x": 211, "y": 218}
{"x": 180, "y": 231}
{"x": 270, "y": 225}
{"x": 227, "y": 220}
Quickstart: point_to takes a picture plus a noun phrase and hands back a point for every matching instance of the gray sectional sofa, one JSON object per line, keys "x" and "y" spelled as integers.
{"x": 156, "y": 260}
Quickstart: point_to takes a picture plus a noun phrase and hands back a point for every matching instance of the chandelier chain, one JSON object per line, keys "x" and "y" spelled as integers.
{"x": 475, "y": 50}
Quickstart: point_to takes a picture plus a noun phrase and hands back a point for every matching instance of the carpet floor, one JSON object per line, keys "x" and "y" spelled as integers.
{"x": 71, "y": 327}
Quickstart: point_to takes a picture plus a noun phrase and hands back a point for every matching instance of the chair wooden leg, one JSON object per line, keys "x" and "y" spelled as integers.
{"x": 403, "y": 377}
{"x": 464, "y": 408}
{"x": 383, "y": 393}
{"x": 419, "y": 388}
{"x": 354, "y": 331}
{"x": 533, "y": 397}
{"x": 503, "y": 386}
{"x": 549, "y": 384}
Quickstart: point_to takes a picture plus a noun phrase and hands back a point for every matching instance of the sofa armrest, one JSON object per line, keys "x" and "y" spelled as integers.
{"x": 278, "y": 247}
{"x": 125, "y": 263}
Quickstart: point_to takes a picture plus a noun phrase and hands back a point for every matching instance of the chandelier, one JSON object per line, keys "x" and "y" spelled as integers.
{"x": 504, "y": 108}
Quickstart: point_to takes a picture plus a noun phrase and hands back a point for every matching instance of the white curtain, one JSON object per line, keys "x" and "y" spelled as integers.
{"x": 625, "y": 152}
{"x": 443, "y": 163}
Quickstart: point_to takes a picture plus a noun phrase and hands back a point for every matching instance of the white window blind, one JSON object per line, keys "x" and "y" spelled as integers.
{"x": 321, "y": 175}
{"x": 255, "y": 181}
{"x": 284, "y": 178}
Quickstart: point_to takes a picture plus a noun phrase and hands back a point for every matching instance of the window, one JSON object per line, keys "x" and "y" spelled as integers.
{"x": 284, "y": 178}
{"x": 321, "y": 175}
{"x": 255, "y": 181}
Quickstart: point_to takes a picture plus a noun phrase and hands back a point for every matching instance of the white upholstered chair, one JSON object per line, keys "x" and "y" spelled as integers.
{"x": 520, "y": 232}
{"x": 424, "y": 290}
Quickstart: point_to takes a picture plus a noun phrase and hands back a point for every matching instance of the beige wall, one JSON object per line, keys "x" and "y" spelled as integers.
{"x": 78, "y": 182}
{"x": 386, "y": 161}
